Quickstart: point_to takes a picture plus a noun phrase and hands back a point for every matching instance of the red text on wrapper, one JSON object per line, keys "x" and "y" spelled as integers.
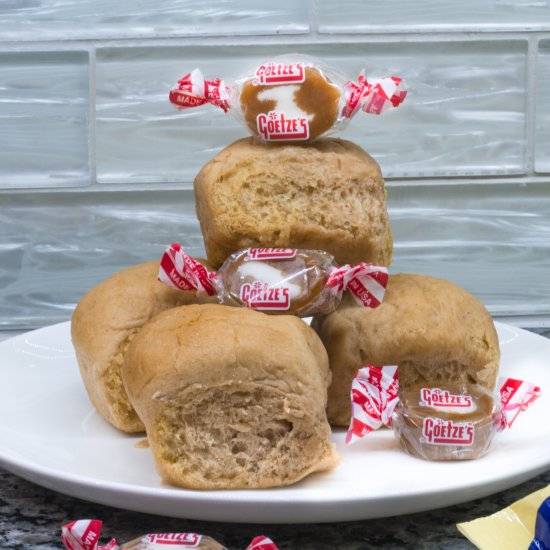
{"x": 280, "y": 73}
{"x": 276, "y": 125}
{"x": 260, "y": 295}
{"x": 435, "y": 397}
{"x": 356, "y": 287}
{"x": 436, "y": 431}
{"x": 188, "y": 540}
{"x": 271, "y": 253}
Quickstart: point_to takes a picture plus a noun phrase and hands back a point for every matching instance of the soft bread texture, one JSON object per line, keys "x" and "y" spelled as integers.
{"x": 231, "y": 398}
{"x": 104, "y": 323}
{"x": 435, "y": 331}
{"x": 327, "y": 195}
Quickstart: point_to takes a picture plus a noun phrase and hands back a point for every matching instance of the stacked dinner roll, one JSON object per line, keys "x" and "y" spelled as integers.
{"x": 326, "y": 195}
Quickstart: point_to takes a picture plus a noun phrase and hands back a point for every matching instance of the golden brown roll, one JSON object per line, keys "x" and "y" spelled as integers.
{"x": 327, "y": 195}
{"x": 435, "y": 331}
{"x": 103, "y": 325}
{"x": 231, "y": 398}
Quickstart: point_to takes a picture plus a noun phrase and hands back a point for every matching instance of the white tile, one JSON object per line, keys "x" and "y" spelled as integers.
{"x": 44, "y": 107}
{"x": 100, "y": 19}
{"x": 407, "y": 16}
{"x": 56, "y": 246}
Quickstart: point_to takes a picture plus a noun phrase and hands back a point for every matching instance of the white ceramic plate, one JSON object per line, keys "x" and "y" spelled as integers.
{"x": 51, "y": 435}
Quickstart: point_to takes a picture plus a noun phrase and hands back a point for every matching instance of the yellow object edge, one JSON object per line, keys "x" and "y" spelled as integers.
{"x": 509, "y": 529}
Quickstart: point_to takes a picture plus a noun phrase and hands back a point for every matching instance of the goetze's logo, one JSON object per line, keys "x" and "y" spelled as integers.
{"x": 260, "y": 295}
{"x": 446, "y": 432}
{"x": 271, "y": 253}
{"x": 280, "y": 73}
{"x": 434, "y": 397}
{"x": 174, "y": 540}
{"x": 275, "y": 125}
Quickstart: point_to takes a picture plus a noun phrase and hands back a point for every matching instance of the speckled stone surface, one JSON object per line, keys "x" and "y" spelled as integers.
{"x": 31, "y": 518}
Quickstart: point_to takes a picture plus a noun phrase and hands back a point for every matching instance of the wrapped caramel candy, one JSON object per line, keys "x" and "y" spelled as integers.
{"x": 454, "y": 422}
{"x": 277, "y": 280}
{"x": 84, "y": 535}
{"x": 291, "y": 98}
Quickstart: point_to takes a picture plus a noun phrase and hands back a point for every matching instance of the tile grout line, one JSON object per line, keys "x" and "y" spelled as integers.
{"x": 92, "y": 115}
{"x": 530, "y": 106}
{"x": 306, "y": 39}
{"x": 313, "y": 19}
{"x": 394, "y": 182}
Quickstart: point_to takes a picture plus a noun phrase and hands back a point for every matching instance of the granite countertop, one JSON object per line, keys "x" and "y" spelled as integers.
{"x": 31, "y": 518}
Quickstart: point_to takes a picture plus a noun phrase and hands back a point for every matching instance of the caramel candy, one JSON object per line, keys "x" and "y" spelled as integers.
{"x": 278, "y": 280}
{"x": 303, "y": 108}
{"x": 290, "y": 98}
{"x": 455, "y": 422}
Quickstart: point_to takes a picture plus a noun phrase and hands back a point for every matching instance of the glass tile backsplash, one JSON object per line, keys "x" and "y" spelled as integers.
{"x": 429, "y": 15}
{"x": 44, "y": 106}
{"x": 89, "y": 19}
{"x": 96, "y": 167}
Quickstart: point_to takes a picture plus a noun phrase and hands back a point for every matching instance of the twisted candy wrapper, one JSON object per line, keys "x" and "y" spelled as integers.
{"x": 84, "y": 535}
{"x": 365, "y": 282}
{"x": 374, "y": 396}
{"x": 287, "y": 121}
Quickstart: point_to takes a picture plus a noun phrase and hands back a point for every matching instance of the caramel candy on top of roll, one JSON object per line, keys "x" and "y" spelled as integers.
{"x": 314, "y": 100}
{"x": 286, "y": 281}
{"x": 455, "y": 422}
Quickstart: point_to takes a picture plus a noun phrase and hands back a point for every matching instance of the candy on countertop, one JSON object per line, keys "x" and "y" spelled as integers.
{"x": 276, "y": 280}
{"x": 84, "y": 535}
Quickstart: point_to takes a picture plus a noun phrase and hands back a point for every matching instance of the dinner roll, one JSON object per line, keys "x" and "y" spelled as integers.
{"x": 435, "y": 331}
{"x": 327, "y": 195}
{"x": 231, "y": 398}
{"x": 103, "y": 325}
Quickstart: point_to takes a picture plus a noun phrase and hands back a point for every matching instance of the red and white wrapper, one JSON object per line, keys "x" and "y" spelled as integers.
{"x": 299, "y": 282}
{"x": 372, "y": 96}
{"x": 374, "y": 397}
{"x": 84, "y": 535}
{"x": 262, "y": 543}
{"x": 375, "y": 96}
{"x": 373, "y": 400}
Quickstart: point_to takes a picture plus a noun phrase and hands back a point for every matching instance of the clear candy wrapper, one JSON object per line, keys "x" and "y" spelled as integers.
{"x": 291, "y": 98}
{"x": 276, "y": 280}
{"x": 84, "y": 535}
{"x": 443, "y": 422}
